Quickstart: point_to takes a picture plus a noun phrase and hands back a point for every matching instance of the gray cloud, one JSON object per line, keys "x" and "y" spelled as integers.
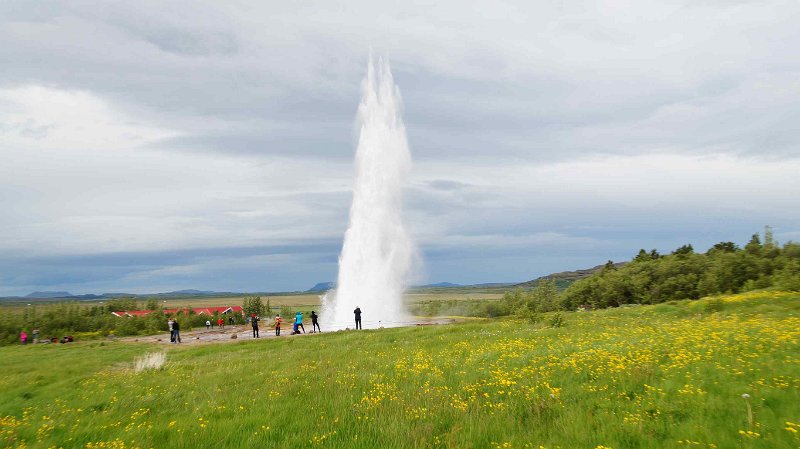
{"x": 159, "y": 140}
{"x": 553, "y": 83}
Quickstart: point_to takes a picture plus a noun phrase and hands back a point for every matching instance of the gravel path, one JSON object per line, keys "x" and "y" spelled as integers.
{"x": 245, "y": 332}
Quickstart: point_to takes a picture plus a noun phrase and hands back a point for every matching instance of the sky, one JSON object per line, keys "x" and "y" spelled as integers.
{"x": 154, "y": 146}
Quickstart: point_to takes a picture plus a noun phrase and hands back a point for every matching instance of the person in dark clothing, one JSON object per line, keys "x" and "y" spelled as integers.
{"x": 357, "y": 313}
{"x": 230, "y": 320}
{"x": 176, "y": 328}
{"x": 314, "y": 323}
{"x": 254, "y": 321}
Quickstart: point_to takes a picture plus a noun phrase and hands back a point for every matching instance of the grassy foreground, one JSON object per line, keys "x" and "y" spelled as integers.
{"x": 715, "y": 373}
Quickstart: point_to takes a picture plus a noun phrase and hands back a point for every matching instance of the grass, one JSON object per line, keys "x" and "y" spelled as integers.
{"x": 671, "y": 375}
{"x": 276, "y": 300}
{"x": 451, "y": 296}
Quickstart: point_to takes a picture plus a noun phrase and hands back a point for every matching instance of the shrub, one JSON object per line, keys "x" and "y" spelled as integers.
{"x": 557, "y": 320}
{"x": 714, "y": 305}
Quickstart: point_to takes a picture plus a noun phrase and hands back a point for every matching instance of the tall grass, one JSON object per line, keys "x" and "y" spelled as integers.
{"x": 671, "y": 375}
{"x": 152, "y": 361}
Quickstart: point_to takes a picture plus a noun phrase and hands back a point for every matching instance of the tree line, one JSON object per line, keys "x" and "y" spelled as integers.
{"x": 651, "y": 278}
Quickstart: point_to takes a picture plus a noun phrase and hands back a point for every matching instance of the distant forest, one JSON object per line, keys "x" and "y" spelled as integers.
{"x": 652, "y": 278}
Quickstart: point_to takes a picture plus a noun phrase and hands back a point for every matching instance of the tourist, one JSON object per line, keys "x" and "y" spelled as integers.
{"x": 23, "y": 337}
{"x": 171, "y": 324}
{"x": 298, "y": 318}
{"x": 294, "y": 328}
{"x": 230, "y": 320}
{"x": 278, "y": 321}
{"x": 357, "y": 313}
{"x": 254, "y": 321}
{"x": 314, "y": 323}
{"x": 221, "y": 323}
{"x": 176, "y": 329}
{"x": 35, "y": 336}
{"x": 208, "y": 324}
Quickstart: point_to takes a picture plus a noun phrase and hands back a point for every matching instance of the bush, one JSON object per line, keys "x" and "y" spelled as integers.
{"x": 789, "y": 277}
{"x": 714, "y": 305}
{"x": 557, "y": 320}
{"x": 529, "y": 315}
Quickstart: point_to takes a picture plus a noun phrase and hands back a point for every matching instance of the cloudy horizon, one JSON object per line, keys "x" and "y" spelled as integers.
{"x": 208, "y": 145}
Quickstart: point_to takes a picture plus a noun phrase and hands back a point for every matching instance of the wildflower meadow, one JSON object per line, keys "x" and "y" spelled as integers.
{"x": 720, "y": 372}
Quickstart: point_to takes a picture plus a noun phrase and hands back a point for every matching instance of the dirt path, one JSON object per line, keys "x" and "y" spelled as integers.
{"x": 245, "y": 332}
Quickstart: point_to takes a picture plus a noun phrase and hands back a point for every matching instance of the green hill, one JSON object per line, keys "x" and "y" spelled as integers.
{"x": 719, "y": 372}
{"x": 565, "y": 278}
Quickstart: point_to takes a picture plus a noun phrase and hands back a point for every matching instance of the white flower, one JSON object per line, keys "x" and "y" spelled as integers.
{"x": 745, "y": 396}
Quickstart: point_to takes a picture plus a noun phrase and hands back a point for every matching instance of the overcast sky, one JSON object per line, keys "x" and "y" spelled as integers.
{"x": 153, "y": 146}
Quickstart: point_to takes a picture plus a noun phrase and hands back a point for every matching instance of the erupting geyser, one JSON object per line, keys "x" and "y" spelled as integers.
{"x": 377, "y": 251}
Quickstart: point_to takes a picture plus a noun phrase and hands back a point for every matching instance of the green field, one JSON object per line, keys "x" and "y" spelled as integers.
{"x": 276, "y": 300}
{"x": 302, "y": 299}
{"x": 714, "y": 373}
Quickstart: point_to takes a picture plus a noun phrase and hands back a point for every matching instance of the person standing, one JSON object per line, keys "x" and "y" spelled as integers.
{"x": 171, "y": 324}
{"x": 314, "y": 323}
{"x": 208, "y": 324}
{"x": 23, "y": 337}
{"x": 176, "y": 329}
{"x": 357, "y": 313}
{"x": 278, "y": 321}
{"x": 298, "y": 318}
{"x": 254, "y": 321}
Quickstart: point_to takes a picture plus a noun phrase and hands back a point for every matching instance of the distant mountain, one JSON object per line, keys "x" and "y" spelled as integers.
{"x": 322, "y": 287}
{"x": 91, "y": 296}
{"x": 45, "y": 295}
{"x": 325, "y": 286}
{"x": 439, "y": 285}
{"x": 565, "y": 278}
{"x": 88, "y": 296}
{"x": 187, "y": 292}
{"x": 493, "y": 284}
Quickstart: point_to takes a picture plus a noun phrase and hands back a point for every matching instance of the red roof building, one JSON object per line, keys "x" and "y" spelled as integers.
{"x": 132, "y": 313}
{"x": 196, "y": 310}
{"x": 208, "y": 310}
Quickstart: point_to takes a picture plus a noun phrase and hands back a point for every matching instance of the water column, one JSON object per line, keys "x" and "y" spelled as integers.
{"x": 377, "y": 251}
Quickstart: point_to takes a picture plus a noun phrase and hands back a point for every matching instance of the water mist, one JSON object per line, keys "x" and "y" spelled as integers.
{"x": 377, "y": 252}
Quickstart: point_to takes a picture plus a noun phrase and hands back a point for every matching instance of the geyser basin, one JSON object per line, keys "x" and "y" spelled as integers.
{"x": 377, "y": 252}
